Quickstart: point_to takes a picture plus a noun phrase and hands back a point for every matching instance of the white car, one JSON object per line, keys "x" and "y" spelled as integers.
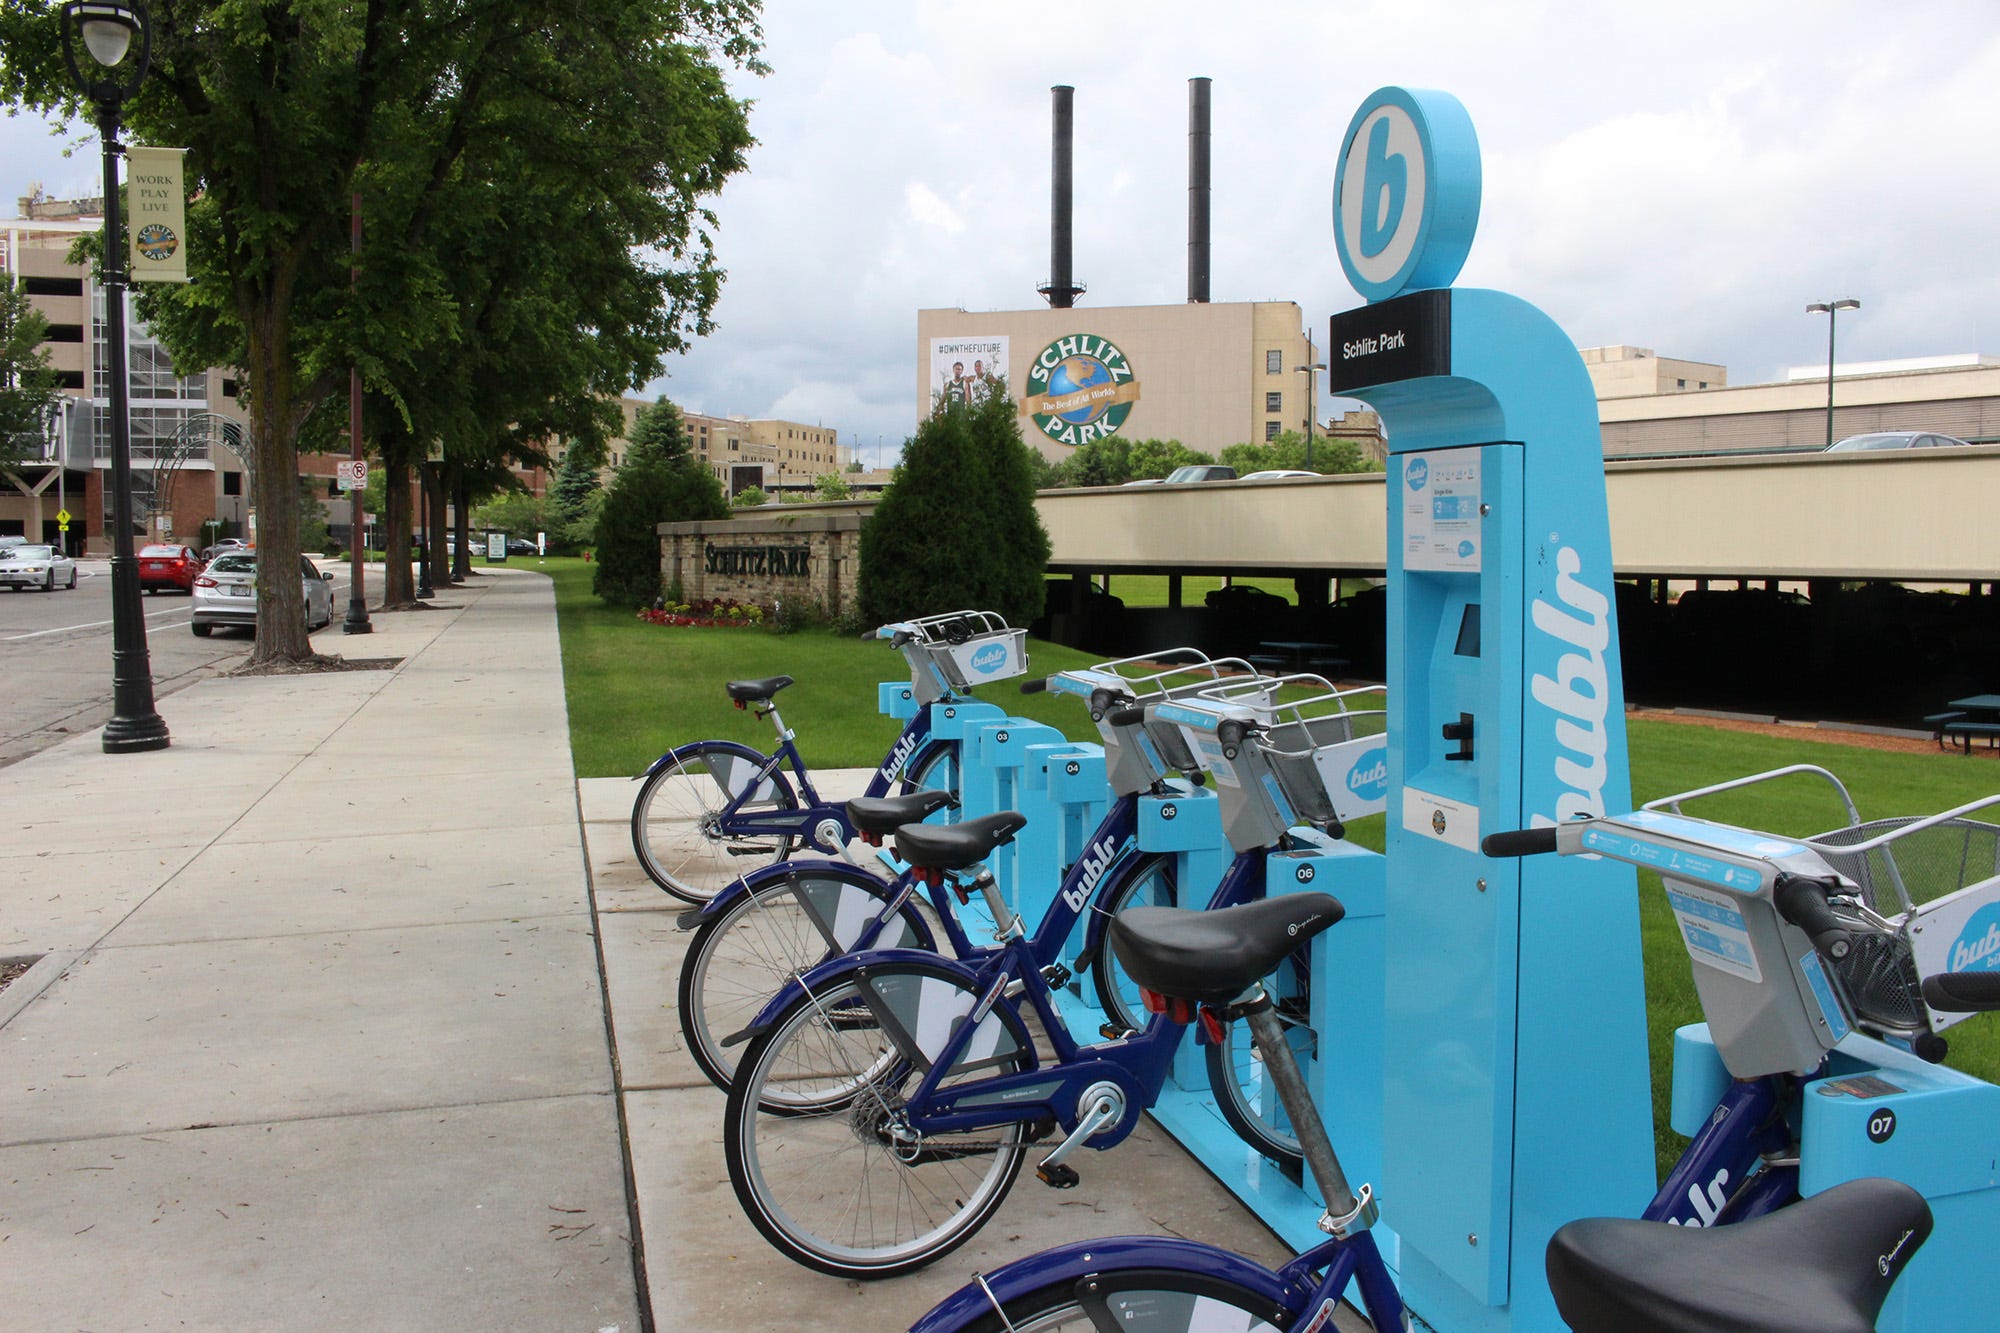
{"x": 225, "y": 593}
{"x": 44, "y": 567}
{"x": 1278, "y": 474}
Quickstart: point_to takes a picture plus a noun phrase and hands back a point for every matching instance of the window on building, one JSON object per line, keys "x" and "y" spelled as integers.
{"x": 1680, "y": 384}
{"x": 232, "y": 483}
{"x": 228, "y": 388}
{"x": 1702, "y": 385}
{"x": 1271, "y": 429}
{"x": 53, "y": 286}
{"x": 65, "y": 333}
{"x": 1274, "y": 362}
{"x": 1274, "y": 401}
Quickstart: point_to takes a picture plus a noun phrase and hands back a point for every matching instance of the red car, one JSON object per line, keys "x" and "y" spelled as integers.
{"x": 162, "y": 567}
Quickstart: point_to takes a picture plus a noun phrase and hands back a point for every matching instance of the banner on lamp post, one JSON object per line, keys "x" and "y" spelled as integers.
{"x": 156, "y": 214}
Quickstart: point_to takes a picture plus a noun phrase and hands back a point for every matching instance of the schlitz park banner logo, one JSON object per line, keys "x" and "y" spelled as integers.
{"x": 1080, "y": 388}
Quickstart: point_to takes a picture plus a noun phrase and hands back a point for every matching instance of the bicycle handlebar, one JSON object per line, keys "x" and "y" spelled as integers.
{"x": 1125, "y": 717}
{"x": 1519, "y": 842}
{"x": 1801, "y": 900}
{"x": 1962, "y": 992}
{"x": 1035, "y": 686}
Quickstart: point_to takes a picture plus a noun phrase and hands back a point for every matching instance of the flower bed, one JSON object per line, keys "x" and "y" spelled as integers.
{"x": 705, "y": 612}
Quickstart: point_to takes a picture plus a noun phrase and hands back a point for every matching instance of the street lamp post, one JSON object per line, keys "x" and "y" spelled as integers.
{"x": 108, "y": 30}
{"x": 1311, "y": 371}
{"x": 1831, "y": 309}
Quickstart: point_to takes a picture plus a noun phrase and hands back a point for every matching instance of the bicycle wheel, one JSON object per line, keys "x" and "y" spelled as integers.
{"x": 676, "y": 822}
{"x": 740, "y": 959}
{"x": 936, "y": 769}
{"x": 826, "y": 1171}
{"x": 1149, "y": 1299}
{"x": 1148, "y": 883}
{"x": 1246, "y": 1098}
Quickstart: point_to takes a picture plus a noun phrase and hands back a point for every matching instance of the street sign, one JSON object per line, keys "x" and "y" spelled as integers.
{"x": 62, "y": 520}
{"x": 351, "y": 474}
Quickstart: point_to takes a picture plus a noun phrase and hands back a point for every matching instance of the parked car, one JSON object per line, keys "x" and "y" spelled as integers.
{"x": 1202, "y": 472}
{"x": 226, "y": 594}
{"x": 521, "y": 546}
{"x": 1876, "y": 441}
{"x": 162, "y": 567}
{"x": 36, "y": 566}
{"x": 224, "y": 544}
{"x": 1277, "y": 474}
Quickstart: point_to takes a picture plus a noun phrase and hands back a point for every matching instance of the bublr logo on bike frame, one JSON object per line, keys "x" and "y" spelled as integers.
{"x": 993, "y": 657}
{"x": 1369, "y": 778}
{"x": 1080, "y": 388}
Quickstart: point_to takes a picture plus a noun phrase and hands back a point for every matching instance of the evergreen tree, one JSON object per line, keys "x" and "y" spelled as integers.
{"x": 660, "y": 482}
{"x": 957, "y": 528}
{"x": 570, "y": 496}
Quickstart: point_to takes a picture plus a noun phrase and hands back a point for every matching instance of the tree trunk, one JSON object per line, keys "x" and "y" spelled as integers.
{"x": 461, "y": 518}
{"x": 399, "y": 586}
{"x": 439, "y": 557}
{"x": 275, "y": 414}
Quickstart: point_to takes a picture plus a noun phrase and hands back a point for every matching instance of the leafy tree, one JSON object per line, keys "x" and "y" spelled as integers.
{"x": 831, "y": 486}
{"x": 1097, "y": 463}
{"x": 957, "y": 528}
{"x": 749, "y": 498}
{"x": 1288, "y": 450}
{"x": 1156, "y": 458}
{"x": 287, "y": 106}
{"x": 29, "y": 388}
{"x": 660, "y": 482}
{"x": 574, "y": 498}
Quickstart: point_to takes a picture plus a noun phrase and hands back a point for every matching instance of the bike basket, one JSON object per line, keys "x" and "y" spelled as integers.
{"x": 1295, "y": 749}
{"x": 982, "y": 658}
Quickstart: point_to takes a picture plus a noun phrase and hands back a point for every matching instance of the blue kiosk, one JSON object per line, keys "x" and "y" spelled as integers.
{"x": 1516, "y": 1090}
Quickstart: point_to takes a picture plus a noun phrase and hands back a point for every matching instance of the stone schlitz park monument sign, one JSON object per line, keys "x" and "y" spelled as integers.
{"x": 815, "y": 555}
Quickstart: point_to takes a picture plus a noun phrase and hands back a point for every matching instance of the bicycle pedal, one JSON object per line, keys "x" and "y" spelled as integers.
{"x": 1061, "y": 1176}
{"x": 1114, "y": 1031}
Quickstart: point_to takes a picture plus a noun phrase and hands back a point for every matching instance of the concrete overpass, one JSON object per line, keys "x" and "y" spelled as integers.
{"x": 1919, "y": 517}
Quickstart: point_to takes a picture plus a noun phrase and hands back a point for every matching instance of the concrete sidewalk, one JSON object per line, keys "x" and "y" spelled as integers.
{"x": 321, "y": 1035}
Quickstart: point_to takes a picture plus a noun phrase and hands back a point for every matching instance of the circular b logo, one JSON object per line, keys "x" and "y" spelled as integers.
{"x": 157, "y": 241}
{"x": 1406, "y": 192}
{"x": 1080, "y": 388}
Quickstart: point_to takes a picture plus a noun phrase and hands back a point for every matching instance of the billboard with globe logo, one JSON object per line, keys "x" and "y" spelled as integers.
{"x": 1080, "y": 388}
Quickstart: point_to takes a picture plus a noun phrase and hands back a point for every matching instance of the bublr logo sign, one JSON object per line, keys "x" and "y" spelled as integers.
{"x": 1977, "y": 948}
{"x": 1417, "y": 473}
{"x": 1406, "y": 192}
{"x": 993, "y": 657}
{"x": 1369, "y": 778}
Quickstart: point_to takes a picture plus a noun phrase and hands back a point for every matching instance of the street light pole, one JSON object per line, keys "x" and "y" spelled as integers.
{"x": 1311, "y": 371}
{"x": 106, "y": 29}
{"x": 1831, "y": 309}
{"x": 356, "y": 621}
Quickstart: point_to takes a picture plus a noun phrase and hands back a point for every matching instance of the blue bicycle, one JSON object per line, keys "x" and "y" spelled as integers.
{"x": 888, "y": 1098}
{"x": 707, "y": 806}
{"x": 771, "y": 925}
{"x": 1786, "y": 1263}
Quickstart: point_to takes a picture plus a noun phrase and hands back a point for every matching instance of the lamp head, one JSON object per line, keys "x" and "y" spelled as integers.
{"x": 1827, "y": 308}
{"x": 107, "y": 72}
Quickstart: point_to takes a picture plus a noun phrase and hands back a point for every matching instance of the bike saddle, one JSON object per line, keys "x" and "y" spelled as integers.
{"x": 956, "y": 846}
{"x": 1825, "y": 1263}
{"x": 1212, "y": 957}
{"x": 756, "y": 691}
{"x": 886, "y": 814}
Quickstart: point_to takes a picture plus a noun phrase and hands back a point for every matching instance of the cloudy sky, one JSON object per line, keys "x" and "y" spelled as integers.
{"x": 1681, "y": 177}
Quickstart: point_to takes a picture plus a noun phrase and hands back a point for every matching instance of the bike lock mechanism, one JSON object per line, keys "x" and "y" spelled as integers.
{"x": 1102, "y": 1105}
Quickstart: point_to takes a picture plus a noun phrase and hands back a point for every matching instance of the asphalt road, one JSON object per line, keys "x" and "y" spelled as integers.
{"x": 55, "y": 655}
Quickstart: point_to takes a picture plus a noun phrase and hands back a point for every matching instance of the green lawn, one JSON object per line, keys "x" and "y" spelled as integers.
{"x": 635, "y": 690}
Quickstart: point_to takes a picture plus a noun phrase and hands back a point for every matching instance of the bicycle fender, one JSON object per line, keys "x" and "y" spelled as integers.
{"x": 696, "y": 917}
{"x": 831, "y": 972}
{"x": 1073, "y": 1262}
{"x": 745, "y": 751}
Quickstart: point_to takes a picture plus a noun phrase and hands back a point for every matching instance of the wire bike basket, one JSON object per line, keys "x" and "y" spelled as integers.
{"x": 951, "y": 653}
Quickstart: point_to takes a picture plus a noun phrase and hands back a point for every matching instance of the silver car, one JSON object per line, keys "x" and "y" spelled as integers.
{"x": 225, "y": 593}
{"x": 44, "y": 567}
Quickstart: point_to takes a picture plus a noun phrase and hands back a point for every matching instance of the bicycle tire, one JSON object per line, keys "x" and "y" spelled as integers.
{"x": 1246, "y": 1099}
{"x": 821, "y": 1178}
{"x": 1151, "y": 1299}
{"x": 673, "y": 818}
{"x": 936, "y": 769}
{"x": 743, "y": 956}
{"x": 1144, "y": 881}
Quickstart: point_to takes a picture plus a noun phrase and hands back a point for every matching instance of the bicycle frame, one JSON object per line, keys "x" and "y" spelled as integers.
{"x": 1136, "y": 1064}
{"x": 808, "y": 820}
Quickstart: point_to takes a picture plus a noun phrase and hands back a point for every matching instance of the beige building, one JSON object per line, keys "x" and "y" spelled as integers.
{"x": 1956, "y": 395}
{"x": 776, "y": 456}
{"x": 186, "y": 484}
{"x": 1631, "y": 372}
{"x": 1208, "y": 375}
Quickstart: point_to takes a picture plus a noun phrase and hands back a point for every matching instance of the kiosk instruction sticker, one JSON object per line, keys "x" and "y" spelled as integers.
{"x": 1440, "y": 494}
{"x": 1713, "y": 928}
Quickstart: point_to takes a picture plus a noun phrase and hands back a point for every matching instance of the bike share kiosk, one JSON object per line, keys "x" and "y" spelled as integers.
{"x": 1516, "y": 1090}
